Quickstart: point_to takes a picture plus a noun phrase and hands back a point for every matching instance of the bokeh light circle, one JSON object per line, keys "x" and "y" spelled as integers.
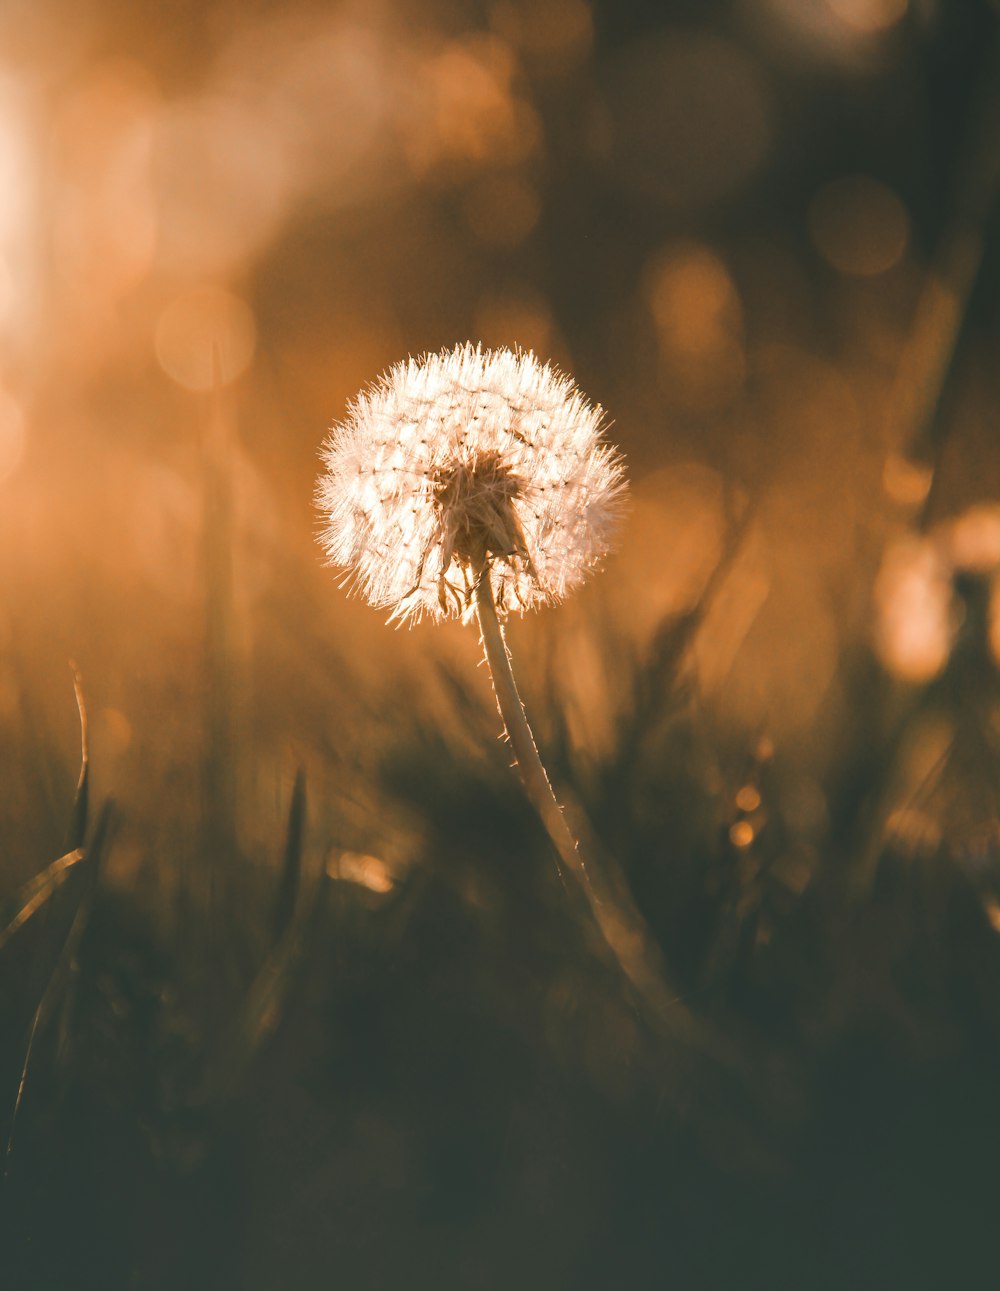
{"x": 859, "y": 226}
{"x": 197, "y": 324}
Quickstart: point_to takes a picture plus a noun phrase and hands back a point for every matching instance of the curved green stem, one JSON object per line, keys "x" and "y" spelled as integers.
{"x": 611, "y": 904}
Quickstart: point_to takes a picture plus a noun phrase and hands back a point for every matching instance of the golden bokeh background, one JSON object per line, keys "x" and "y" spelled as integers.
{"x": 726, "y": 229}
{"x": 762, "y": 234}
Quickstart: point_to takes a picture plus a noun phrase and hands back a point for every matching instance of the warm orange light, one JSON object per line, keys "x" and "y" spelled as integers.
{"x": 991, "y": 908}
{"x": 905, "y": 481}
{"x": 741, "y": 834}
{"x": 13, "y": 168}
{"x": 914, "y": 629}
{"x": 676, "y": 527}
{"x": 360, "y": 868}
{"x": 693, "y": 299}
{"x": 994, "y": 619}
{"x": 973, "y": 539}
{"x": 748, "y": 798}
{"x": 868, "y": 15}
{"x": 11, "y": 435}
{"x": 195, "y": 326}
{"x": 18, "y": 217}
{"x": 516, "y": 316}
{"x": 113, "y": 732}
{"x": 465, "y": 108}
{"x": 913, "y": 831}
{"x": 699, "y": 322}
{"x": 223, "y": 182}
{"x": 837, "y": 30}
{"x": 103, "y": 137}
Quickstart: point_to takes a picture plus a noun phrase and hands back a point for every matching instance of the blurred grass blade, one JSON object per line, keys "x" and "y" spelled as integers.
{"x": 90, "y": 867}
{"x": 257, "y": 1016}
{"x": 33, "y": 894}
{"x": 655, "y": 677}
{"x": 291, "y": 868}
{"x": 78, "y": 821}
{"x": 928, "y": 357}
{"x": 260, "y": 1011}
{"x": 219, "y": 772}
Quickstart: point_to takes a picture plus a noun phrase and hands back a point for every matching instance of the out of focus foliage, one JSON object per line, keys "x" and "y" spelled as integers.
{"x": 317, "y": 1008}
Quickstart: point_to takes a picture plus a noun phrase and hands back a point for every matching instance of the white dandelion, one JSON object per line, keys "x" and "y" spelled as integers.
{"x": 466, "y": 461}
{"x": 478, "y": 481}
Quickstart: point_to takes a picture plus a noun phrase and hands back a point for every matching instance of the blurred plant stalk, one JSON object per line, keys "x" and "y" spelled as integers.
{"x": 219, "y": 771}
{"x": 929, "y": 353}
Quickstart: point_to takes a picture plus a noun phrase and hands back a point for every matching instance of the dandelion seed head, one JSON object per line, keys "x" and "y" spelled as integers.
{"x": 462, "y": 463}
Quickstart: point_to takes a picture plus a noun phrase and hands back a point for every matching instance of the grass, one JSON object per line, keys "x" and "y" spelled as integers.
{"x": 294, "y": 1077}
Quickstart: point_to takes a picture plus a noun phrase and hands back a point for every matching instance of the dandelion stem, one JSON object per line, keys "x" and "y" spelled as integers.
{"x": 536, "y": 781}
{"x": 610, "y": 902}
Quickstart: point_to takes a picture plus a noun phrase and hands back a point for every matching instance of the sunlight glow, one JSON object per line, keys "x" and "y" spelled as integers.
{"x": 193, "y": 325}
{"x": 13, "y": 166}
{"x": 516, "y": 316}
{"x": 973, "y": 539}
{"x": 17, "y": 191}
{"x": 843, "y": 31}
{"x": 465, "y": 108}
{"x": 741, "y": 834}
{"x": 698, "y": 316}
{"x": 905, "y": 481}
{"x": 991, "y": 906}
{"x": 362, "y": 869}
{"x": 11, "y": 435}
{"x": 748, "y": 798}
{"x": 222, "y": 183}
{"x": 914, "y": 627}
{"x": 868, "y": 15}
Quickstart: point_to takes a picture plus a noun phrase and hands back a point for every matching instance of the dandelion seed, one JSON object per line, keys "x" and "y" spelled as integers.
{"x": 463, "y": 461}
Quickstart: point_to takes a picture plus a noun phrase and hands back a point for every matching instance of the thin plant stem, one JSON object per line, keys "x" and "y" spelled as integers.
{"x": 610, "y": 902}
{"x": 929, "y": 354}
{"x": 536, "y": 780}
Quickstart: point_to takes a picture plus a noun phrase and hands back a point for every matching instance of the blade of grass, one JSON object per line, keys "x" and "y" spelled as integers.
{"x": 78, "y": 820}
{"x": 33, "y": 894}
{"x": 291, "y": 868}
{"x": 929, "y": 354}
{"x": 655, "y": 677}
{"x": 90, "y": 873}
{"x": 255, "y": 1018}
{"x": 218, "y": 803}
{"x": 260, "y": 1010}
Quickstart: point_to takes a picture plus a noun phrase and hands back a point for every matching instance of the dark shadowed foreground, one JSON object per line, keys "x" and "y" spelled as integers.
{"x": 415, "y": 1065}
